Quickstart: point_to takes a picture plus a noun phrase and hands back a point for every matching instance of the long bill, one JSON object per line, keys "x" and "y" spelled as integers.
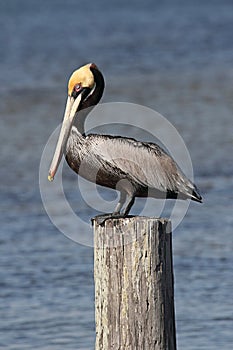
{"x": 70, "y": 111}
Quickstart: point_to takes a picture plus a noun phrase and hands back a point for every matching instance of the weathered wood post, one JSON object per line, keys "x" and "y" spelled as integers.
{"x": 134, "y": 289}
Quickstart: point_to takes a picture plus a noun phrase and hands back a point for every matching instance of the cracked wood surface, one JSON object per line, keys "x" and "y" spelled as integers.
{"x": 134, "y": 288}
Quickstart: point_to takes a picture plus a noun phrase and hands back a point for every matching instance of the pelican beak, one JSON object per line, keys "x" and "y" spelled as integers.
{"x": 72, "y": 106}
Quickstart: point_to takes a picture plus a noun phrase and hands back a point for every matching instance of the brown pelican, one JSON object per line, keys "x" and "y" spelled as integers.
{"x": 136, "y": 169}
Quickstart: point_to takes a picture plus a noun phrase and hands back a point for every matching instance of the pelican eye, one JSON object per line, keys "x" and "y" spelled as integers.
{"x": 77, "y": 87}
{"x": 76, "y": 90}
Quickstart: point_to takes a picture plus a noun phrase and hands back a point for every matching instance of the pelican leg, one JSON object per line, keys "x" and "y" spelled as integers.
{"x": 120, "y": 203}
{"x": 100, "y": 219}
{"x": 129, "y": 200}
{"x": 129, "y": 204}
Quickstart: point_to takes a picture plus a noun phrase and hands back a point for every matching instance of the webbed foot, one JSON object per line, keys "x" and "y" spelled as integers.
{"x": 100, "y": 219}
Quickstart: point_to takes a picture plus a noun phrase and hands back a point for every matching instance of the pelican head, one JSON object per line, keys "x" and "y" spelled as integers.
{"x": 80, "y": 86}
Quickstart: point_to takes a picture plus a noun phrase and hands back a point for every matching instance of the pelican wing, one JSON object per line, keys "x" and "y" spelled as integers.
{"x": 146, "y": 163}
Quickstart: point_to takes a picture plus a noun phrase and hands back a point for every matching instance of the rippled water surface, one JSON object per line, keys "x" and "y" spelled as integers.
{"x": 173, "y": 57}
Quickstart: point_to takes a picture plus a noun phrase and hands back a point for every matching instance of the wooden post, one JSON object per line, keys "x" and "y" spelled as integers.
{"x": 134, "y": 288}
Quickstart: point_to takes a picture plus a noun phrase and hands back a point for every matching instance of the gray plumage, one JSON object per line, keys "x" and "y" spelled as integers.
{"x": 136, "y": 169}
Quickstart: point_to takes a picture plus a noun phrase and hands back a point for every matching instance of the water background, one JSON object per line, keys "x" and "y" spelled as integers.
{"x": 173, "y": 56}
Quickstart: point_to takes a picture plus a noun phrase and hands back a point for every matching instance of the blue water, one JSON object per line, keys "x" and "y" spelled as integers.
{"x": 175, "y": 57}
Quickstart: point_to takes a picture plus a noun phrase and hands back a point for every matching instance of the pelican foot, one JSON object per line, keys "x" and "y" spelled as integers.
{"x": 100, "y": 219}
